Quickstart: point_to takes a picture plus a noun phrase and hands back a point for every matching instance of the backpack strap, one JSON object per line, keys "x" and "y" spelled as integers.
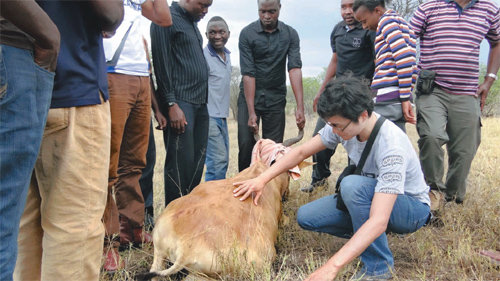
{"x": 116, "y": 56}
{"x": 369, "y": 145}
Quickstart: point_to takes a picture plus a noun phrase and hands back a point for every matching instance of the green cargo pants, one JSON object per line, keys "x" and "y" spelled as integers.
{"x": 454, "y": 120}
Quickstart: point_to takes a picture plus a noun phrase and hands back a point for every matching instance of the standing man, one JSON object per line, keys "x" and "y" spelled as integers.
{"x": 395, "y": 65}
{"x": 130, "y": 104}
{"x": 353, "y": 52}
{"x": 182, "y": 78}
{"x": 28, "y": 55}
{"x": 451, "y": 113}
{"x": 264, "y": 47}
{"x": 61, "y": 232}
{"x": 219, "y": 81}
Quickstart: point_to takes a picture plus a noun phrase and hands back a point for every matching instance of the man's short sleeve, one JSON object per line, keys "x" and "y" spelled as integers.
{"x": 329, "y": 139}
{"x": 493, "y": 35}
{"x": 332, "y": 38}
{"x": 294, "y": 60}
{"x": 247, "y": 63}
{"x": 392, "y": 166}
{"x": 418, "y": 21}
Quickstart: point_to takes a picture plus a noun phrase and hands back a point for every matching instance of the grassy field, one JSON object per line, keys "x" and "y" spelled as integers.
{"x": 449, "y": 252}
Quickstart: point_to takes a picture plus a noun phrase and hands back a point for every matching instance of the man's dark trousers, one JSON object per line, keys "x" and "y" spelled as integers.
{"x": 146, "y": 180}
{"x": 273, "y": 127}
{"x": 322, "y": 159}
{"x": 186, "y": 152}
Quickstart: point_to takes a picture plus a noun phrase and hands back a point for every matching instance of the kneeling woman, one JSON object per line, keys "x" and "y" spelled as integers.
{"x": 390, "y": 194}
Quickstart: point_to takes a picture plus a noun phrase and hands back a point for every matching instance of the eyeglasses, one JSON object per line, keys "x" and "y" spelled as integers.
{"x": 336, "y": 126}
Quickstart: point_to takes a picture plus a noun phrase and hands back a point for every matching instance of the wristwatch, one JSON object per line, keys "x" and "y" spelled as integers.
{"x": 138, "y": 2}
{"x": 492, "y": 75}
{"x": 171, "y": 103}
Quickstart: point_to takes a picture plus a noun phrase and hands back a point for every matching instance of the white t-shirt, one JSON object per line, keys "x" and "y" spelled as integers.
{"x": 132, "y": 60}
{"x": 392, "y": 161}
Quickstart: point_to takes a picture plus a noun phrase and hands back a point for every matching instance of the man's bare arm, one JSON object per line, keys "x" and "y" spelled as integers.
{"x": 331, "y": 71}
{"x": 158, "y": 12}
{"x": 109, "y": 13}
{"x": 298, "y": 90}
{"x": 30, "y": 18}
{"x": 492, "y": 67}
{"x": 249, "y": 90}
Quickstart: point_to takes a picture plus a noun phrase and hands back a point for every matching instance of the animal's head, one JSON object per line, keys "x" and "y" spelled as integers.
{"x": 268, "y": 152}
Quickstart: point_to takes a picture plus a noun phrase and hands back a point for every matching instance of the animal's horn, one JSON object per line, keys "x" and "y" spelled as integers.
{"x": 292, "y": 141}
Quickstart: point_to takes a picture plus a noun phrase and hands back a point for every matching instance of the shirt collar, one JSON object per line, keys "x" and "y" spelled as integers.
{"x": 356, "y": 26}
{"x": 212, "y": 51}
{"x": 260, "y": 29}
{"x": 472, "y": 2}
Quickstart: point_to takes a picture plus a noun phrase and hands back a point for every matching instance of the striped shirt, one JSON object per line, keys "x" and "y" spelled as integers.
{"x": 394, "y": 58}
{"x": 180, "y": 66}
{"x": 450, "y": 38}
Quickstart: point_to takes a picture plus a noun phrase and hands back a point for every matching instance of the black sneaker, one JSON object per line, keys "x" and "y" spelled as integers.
{"x": 310, "y": 188}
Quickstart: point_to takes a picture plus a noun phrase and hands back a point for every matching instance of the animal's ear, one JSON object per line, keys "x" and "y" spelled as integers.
{"x": 305, "y": 164}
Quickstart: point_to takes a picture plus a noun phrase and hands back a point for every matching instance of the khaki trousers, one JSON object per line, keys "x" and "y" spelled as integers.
{"x": 130, "y": 103}
{"x": 61, "y": 233}
{"x": 454, "y": 120}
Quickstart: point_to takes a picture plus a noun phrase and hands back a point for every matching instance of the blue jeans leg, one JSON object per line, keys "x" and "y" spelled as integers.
{"x": 25, "y": 93}
{"x": 217, "y": 149}
{"x": 322, "y": 215}
{"x": 407, "y": 216}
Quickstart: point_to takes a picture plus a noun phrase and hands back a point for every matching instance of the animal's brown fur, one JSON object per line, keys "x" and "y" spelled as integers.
{"x": 200, "y": 229}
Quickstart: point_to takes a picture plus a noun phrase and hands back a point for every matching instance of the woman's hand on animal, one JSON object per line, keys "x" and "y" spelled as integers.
{"x": 249, "y": 187}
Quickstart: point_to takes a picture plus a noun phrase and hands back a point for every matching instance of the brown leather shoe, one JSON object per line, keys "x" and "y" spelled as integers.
{"x": 126, "y": 235}
{"x": 112, "y": 260}
{"x": 135, "y": 236}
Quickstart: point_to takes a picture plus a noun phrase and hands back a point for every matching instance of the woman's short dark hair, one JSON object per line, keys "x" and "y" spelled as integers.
{"x": 347, "y": 97}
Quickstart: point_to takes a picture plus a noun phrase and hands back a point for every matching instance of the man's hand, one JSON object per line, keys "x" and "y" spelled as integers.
{"x": 177, "y": 119}
{"x": 300, "y": 119}
{"x": 324, "y": 273}
{"x": 252, "y": 124}
{"x": 249, "y": 187}
{"x": 46, "y": 58}
{"x": 408, "y": 113}
{"x": 315, "y": 102}
{"x": 483, "y": 90}
{"x": 162, "y": 121}
{"x": 108, "y": 34}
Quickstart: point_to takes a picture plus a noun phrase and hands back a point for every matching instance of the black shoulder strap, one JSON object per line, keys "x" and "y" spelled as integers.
{"x": 369, "y": 145}
{"x": 118, "y": 51}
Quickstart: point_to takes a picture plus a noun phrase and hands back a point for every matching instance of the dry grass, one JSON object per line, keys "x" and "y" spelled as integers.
{"x": 446, "y": 253}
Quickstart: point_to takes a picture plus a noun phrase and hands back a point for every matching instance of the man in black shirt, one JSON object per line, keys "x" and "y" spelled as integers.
{"x": 353, "y": 52}
{"x": 264, "y": 47}
{"x": 182, "y": 77}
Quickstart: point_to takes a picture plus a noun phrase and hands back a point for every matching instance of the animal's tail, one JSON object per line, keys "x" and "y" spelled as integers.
{"x": 145, "y": 276}
{"x": 175, "y": 268}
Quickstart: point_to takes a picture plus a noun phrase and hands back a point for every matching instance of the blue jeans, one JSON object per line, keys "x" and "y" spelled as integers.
{"x": 25, "y": 94}
{"x": 408, "y": 215}
{"x": 217, "y": 149}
